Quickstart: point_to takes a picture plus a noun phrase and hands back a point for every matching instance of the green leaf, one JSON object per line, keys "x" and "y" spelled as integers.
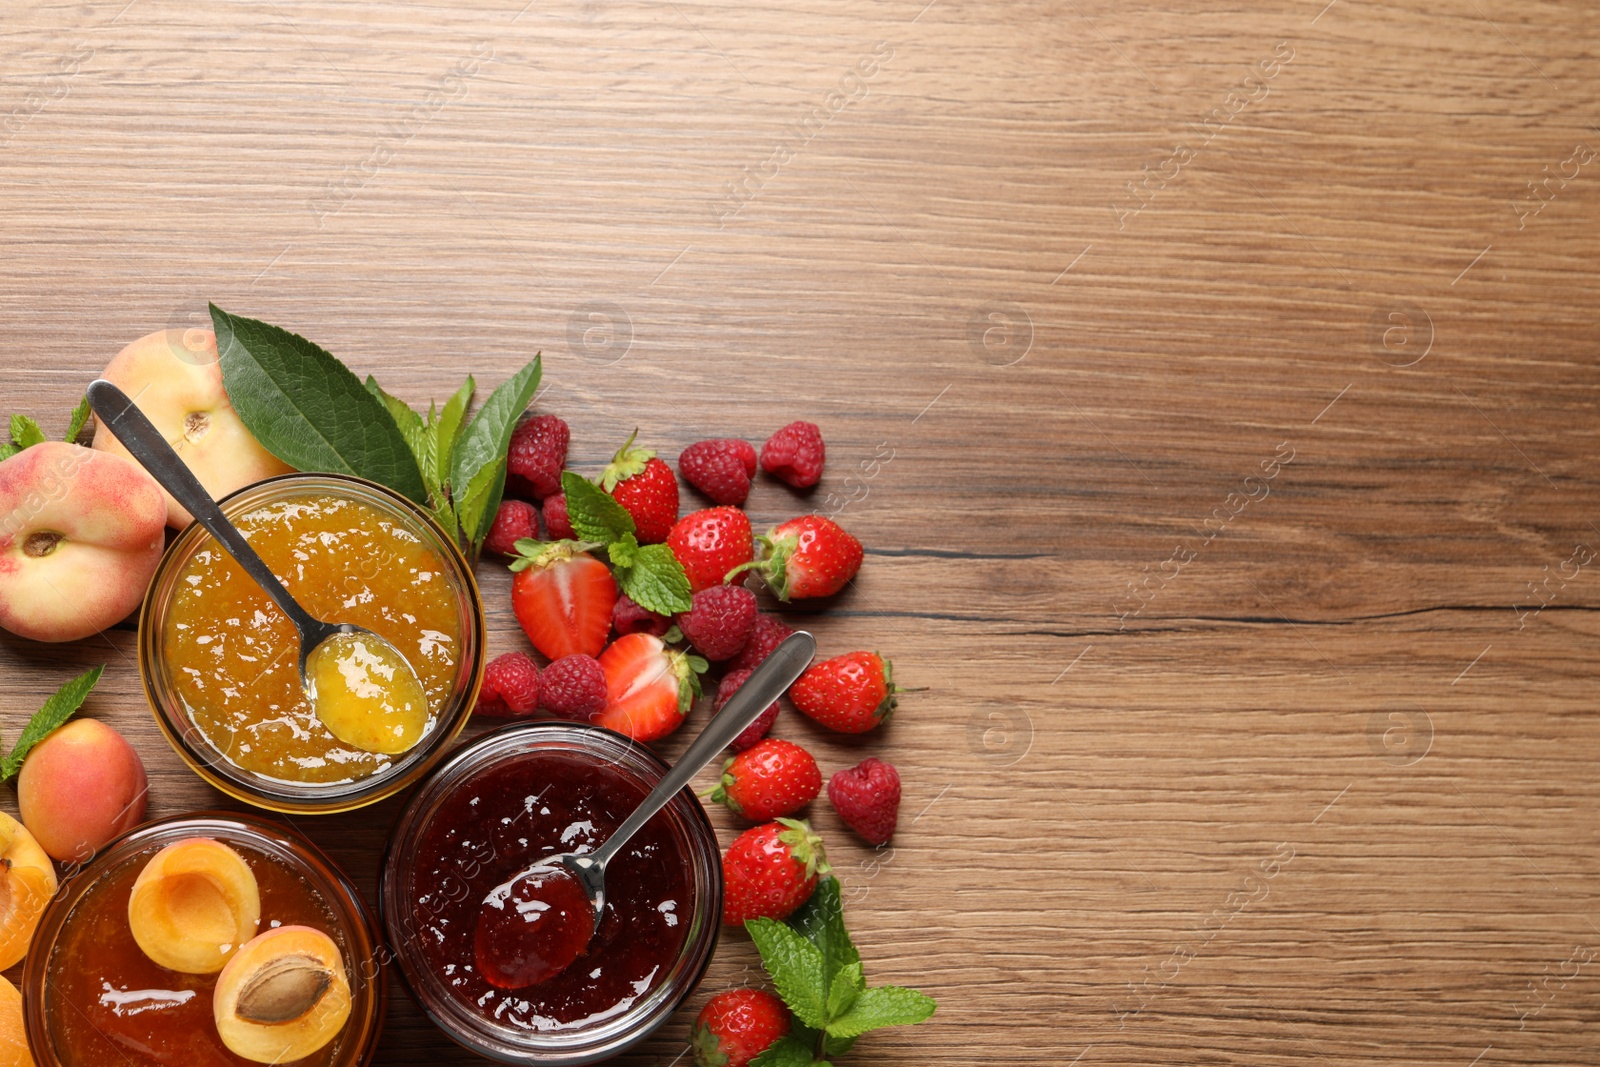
{"x": 623, "y": 552}
{"x": 80, "y": 419}
{"x": 820, "y": 920}
{"x": 795, "y": 965}
{"x": 476, "y": 509}
{"x": 57, "y": 710}
{"x": 787, "y": 1051}
{"x": 594, "y": 513}
{"x": 486, "y": 438}
{"x": 25, "y": 432}
{"x": 656, "y": 581}
{"x": 887, "y": 1005}
{"x": 844, "y": 987}
{"x": 310, "y": 410}
{"x": 7, "y": 449}
{"x": 412, "y": 429}
{"x": 447, "y": 428}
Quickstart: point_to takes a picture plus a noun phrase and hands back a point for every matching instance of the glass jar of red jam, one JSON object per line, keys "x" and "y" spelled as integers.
{"x": 527, "y": 792}
{"x": 92, "y": 998}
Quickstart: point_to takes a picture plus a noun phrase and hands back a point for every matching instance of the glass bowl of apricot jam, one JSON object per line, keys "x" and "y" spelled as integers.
{"x": 207, "y": 940}
{"x": 220, "y": 662}
{"x": 504, "y": 801}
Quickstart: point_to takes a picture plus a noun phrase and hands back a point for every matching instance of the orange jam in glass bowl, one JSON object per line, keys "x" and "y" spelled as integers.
{"x": 221, "y": 662}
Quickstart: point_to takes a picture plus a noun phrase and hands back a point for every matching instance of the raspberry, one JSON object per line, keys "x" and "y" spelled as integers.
{"x": 574, "y": 687}
{"x": 795, "y": 454}
{"x": 629, "y": 618}
{"x": 867, "y": 798}
{"x": 719, "y": 620}
{"x": 721, "y": 469}
{"x": 756, "y": 730}
{"x": 556, "y": 524}
{"x": 511, "y": 687}
{"x": 765, "y": 636}
{"x": 515, "y": 520}
{"x": 538, "y": 452}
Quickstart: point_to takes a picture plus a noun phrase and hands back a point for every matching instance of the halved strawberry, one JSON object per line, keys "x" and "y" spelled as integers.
{"x": 649, "y": 687}
{"x": 563, "y": 598}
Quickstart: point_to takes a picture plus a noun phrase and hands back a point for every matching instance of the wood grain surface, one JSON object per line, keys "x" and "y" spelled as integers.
{"x": 1214, "y": 390}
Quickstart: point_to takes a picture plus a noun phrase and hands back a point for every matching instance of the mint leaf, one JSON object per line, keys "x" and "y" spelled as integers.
{"x": 310, "y": 410}
{"x": 412, "y": 429}
{"x": 623, "y": 552}
{"x": 795, "y": 965}
{"x": 486, "y": 438}
{"x": 594, "y": 513}
{"x": 447, "y": 428}
{"x": 80, "y": 419}
{"x": 57, "y": 710}
{"x": 787, "y": 1051}
{"x": 25, "y": 432}
{"x": 820, "y": 920}
{"x": 888, "y": 1005}
{"x": 656, "y": 581}
{"x": 7, "y": 449}
{"x": 843, "y": 988}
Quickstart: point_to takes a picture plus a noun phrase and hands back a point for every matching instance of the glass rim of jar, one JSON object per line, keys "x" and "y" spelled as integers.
{"x": 527, "y": 1048}
{"x": 356, "y": 926}
{"x": 309, "y": 798}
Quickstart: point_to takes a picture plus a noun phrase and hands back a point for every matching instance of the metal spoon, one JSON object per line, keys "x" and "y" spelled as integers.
{"x": 540, "y": 931}
{"x": 119, "y": 415}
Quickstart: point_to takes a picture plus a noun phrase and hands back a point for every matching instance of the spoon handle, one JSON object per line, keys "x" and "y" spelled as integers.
{"x": 766, "y": 683}
{"x": 144, "y": 441}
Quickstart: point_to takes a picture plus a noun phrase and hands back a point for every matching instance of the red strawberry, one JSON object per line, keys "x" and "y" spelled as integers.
{"x": 510, "y": 687}
{"x": 563, "y": 599}
{"x": 765, "y": 636}
{"x": 630, "y": 618}
{"x": 867, "y": 798}
{"x": 770, "y": 870}
{"x": 649, "y": 687}
{"x": 514, "y": 521}
{"x": 851, "y": 693}
{"x": 806, "y": 557}
{"x": 573, "y": 687}
{"x": 710, "y": 543}
{"x": 538, "y": 452}
{"x": 556, "y": 524}
{"x": 721, "y": 469}
{"x": 736, "y": 1026}
{"x": 755, "y": 731}
{"x": 646, "y": 487}
{"x": 795, "y": 454}
{"x": 719, "y": 621}
{"x": 770, "y": 779}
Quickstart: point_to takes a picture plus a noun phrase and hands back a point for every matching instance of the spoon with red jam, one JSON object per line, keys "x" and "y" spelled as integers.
{"x": 533, "y": 925}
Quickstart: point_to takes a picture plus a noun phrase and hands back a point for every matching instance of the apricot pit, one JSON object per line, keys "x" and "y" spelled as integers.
{"x": 283, "y": 996}
{"x": 193, "y": 905}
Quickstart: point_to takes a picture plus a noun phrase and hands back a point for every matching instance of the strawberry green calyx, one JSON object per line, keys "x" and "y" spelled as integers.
{"x": 708, "y": 1048}
{"x": 625, "y": 464}
{"x": 805, "y": 845}
{"x": 687, "y": 668}
{"x": 720, "y": 795}
{"x": 531, "y": 553}
{"x": 772, "y": 564}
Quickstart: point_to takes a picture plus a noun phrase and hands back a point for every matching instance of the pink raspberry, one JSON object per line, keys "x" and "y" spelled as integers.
{"x": 719, "y": 620}
{"x": 511, "y": 687}
{"x": 795, "y": 454}
{"x": 756, "y": 730}
{"x": 721, "y": 469}
{"x": 538, "y": 452}
{"x": 574, "y": 687}
{"x": 629, "y": 618}
{"x": 515, "y": 520}
{"x": 765, "y": 636}
{"x": 556, "y": 524}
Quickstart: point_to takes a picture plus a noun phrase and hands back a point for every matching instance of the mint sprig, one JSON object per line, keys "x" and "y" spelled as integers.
{"x": 24, "y": 432}
{"x": 56, "y": 711}
{"x": 650, "y": 574}
{"x": 817, "y": 970}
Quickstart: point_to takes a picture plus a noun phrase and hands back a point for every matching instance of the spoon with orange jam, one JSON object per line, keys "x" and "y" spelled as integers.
{"x": 532, "y": 926}
{"x": 362, "y": 688}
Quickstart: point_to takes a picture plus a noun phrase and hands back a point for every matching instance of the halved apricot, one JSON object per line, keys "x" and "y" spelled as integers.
{"x": 13, "y": 1038}
{"x": 27, "y": 882}
{"x": 193, "y": 905}
{"x": 283, "y": 996}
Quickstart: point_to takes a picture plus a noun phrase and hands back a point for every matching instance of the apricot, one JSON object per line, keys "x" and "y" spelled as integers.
{"x": 282, "y": 996}
{"x": 80, "y": 787}
{"x": 13, "y": 1038}
{"x": 193, "y": 905}
{"x": 26, "y": 886}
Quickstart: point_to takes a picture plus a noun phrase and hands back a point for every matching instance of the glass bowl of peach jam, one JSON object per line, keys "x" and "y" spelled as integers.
{"x": 94, "y": 993}
{"x": 220, "y": 662}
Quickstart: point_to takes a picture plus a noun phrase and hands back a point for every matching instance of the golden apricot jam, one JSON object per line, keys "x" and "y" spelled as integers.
{"x": 111, "y": 1004}
{"x": 233, "y": 658}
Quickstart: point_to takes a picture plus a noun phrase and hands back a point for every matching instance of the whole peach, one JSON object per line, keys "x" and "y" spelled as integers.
{"x": 80, "y": 787}
{"x": 80, "y": 536}
{"x": 176, "y": 379}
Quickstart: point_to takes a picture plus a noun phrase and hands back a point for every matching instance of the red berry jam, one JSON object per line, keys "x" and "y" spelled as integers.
{"x": 511, "y": 815}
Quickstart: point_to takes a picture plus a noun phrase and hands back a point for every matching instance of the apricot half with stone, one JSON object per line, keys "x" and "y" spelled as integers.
{"x": 283, "y": 996}
{"x": 193, "y": 905}
{"x": 27, "y": 882}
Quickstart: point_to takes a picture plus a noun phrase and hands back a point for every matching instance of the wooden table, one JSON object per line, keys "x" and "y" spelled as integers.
{"x": 1213, "y": 389}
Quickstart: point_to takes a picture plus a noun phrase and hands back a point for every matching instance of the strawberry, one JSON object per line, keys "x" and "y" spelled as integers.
{"x": 563, "y": 598}
{"x": 573, "y": 687}
{"x": 720, "y": 469}
{"x": 556, "y": 524}
{"x": 736, "y": 1026}
{"x": 649, "y": 687}
{"x": 630, "y": 618}
{"x": 755, "y": 731}
{"x": 510, "y": 687}
{"x": 770, "y": 779}
{"x": 768, "y": 632}
{"x": 719, "y": 621}
{"x": 515, "y": 521}
{"x": 807, "y": 557}
{"x": 770, "y": 870}
{"x": 795, "y": 454}
{"x": 538, "y": 452}
{"x": 867, "y": 798}
{"x": 710, "y": 543}
{"x": 646, "y": 487}
{"x": 851, "y": 693}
